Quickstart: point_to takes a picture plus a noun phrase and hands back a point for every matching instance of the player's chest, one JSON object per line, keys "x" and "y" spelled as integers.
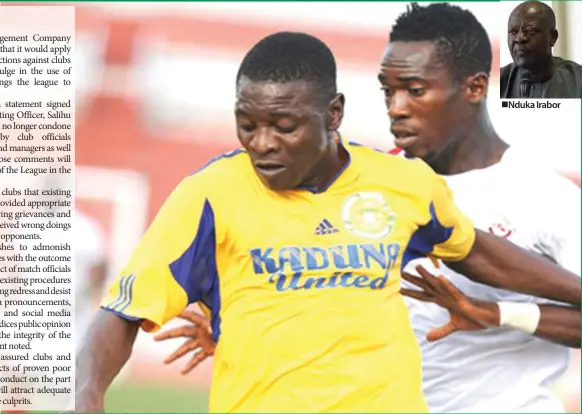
{"x": 501, "y": 212}
{"x": 355, "y": 240}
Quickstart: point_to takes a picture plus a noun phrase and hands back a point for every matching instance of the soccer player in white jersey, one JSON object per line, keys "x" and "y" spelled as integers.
{"x": 435, "y": 79}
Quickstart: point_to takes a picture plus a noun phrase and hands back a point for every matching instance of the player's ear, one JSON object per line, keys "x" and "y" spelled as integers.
{"x": 476, "y": 87}
{"x": 553, "y": 37}
{"x": 336, "y": 111}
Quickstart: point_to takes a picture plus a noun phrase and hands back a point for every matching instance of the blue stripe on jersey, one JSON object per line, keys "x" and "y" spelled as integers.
{"x": 425, "y": 238}
{"x": 195, "y": 270}
{"x": 128, "y": 294}
{"x": 124, "y": 296}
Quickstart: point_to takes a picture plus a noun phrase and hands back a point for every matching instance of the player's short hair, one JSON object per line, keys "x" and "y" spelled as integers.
{"x": 288, "y": 57}
{"x": 462, "y": 42}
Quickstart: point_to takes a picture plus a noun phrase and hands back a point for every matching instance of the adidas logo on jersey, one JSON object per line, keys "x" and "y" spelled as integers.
{"x": 325, "y": 227}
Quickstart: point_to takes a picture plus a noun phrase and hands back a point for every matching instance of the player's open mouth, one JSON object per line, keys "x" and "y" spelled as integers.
{"x": 268, "y": 168}
{"x": 404, "y": 139}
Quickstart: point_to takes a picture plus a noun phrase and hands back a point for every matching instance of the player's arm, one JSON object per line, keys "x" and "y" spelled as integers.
{"x": 172, "y": 266}
{"x": 560, "y": 324}
{"x": 450, "y": 236}
{"x": 497, "y": 262}
{"x": 560, "y": 241}
{"x": 105, "y": 350}
{"x": 505, "y": 265}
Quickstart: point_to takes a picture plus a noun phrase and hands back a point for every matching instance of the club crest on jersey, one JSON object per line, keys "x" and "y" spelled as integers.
{"x": 367, "y": 215}
{"x": 501, "y": 229}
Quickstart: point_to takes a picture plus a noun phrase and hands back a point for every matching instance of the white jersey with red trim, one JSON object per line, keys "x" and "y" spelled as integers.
{"x": 502, "y": 370}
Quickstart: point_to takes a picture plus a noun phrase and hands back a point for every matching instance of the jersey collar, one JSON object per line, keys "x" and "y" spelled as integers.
{"x": 346, "y": 176}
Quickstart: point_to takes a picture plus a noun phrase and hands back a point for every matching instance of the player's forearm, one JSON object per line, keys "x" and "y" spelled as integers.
{"x": 555, "y": 323}
{"x": 559, "y": 324}
{"x": 106, "y": 348}
{"x": 496, "y": 262}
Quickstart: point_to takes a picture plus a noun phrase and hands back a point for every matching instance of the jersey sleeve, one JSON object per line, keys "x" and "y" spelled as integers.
{"x": 454, "y": 231}
{"x": 448, "y": 234}
{"x": 174, "y": 263}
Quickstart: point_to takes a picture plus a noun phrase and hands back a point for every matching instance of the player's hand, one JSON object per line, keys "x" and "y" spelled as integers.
{"x": 466, "y": 314}
{"x": 200, "y": 341}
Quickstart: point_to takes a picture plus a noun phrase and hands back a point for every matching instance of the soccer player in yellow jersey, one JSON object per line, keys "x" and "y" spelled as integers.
{"x": 299, "y": 231}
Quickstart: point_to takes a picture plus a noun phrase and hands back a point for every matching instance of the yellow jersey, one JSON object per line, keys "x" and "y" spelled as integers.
{"x": 303, "y": 287}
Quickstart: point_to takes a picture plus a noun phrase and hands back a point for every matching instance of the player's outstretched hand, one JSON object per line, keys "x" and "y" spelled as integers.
{"x": 466, "y": 314}
{"x": 199, "y": 334}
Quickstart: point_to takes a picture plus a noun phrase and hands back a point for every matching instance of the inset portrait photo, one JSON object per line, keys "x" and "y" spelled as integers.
{"x": 540, "y": 59}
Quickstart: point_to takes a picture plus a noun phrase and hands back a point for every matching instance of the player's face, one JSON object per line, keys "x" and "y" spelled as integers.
{"x": 426, "y": 108}
{"x": 529, "y": 38}
{"x": 285, "y": 129}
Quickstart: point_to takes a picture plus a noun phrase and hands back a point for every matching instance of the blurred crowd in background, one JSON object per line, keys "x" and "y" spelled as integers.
{"x": 155, "y": 93}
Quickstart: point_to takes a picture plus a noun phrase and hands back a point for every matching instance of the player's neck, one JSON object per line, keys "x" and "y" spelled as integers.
{"x": 328, "y": 168}
{"x": 478, "y": 149}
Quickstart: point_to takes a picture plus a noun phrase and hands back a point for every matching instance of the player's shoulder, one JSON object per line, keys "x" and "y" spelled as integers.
{"x": 392, "y": 162}
{"x": 560, "y": 189}
{"x": 216, "y": 180}
{"x": 560, "y": 183}
{"x": 393, "y": 159}
{"x": 533, "y": 173}
{"x": 225, "y": 168}
{"x": 537, "y": 192}
{"x": 410, "y": 177}
{"x": 226, "y": 163}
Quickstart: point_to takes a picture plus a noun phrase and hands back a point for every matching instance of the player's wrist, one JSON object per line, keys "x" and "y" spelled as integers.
{"x": 522, "y": 316}
{"x": 488, "y": 315}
